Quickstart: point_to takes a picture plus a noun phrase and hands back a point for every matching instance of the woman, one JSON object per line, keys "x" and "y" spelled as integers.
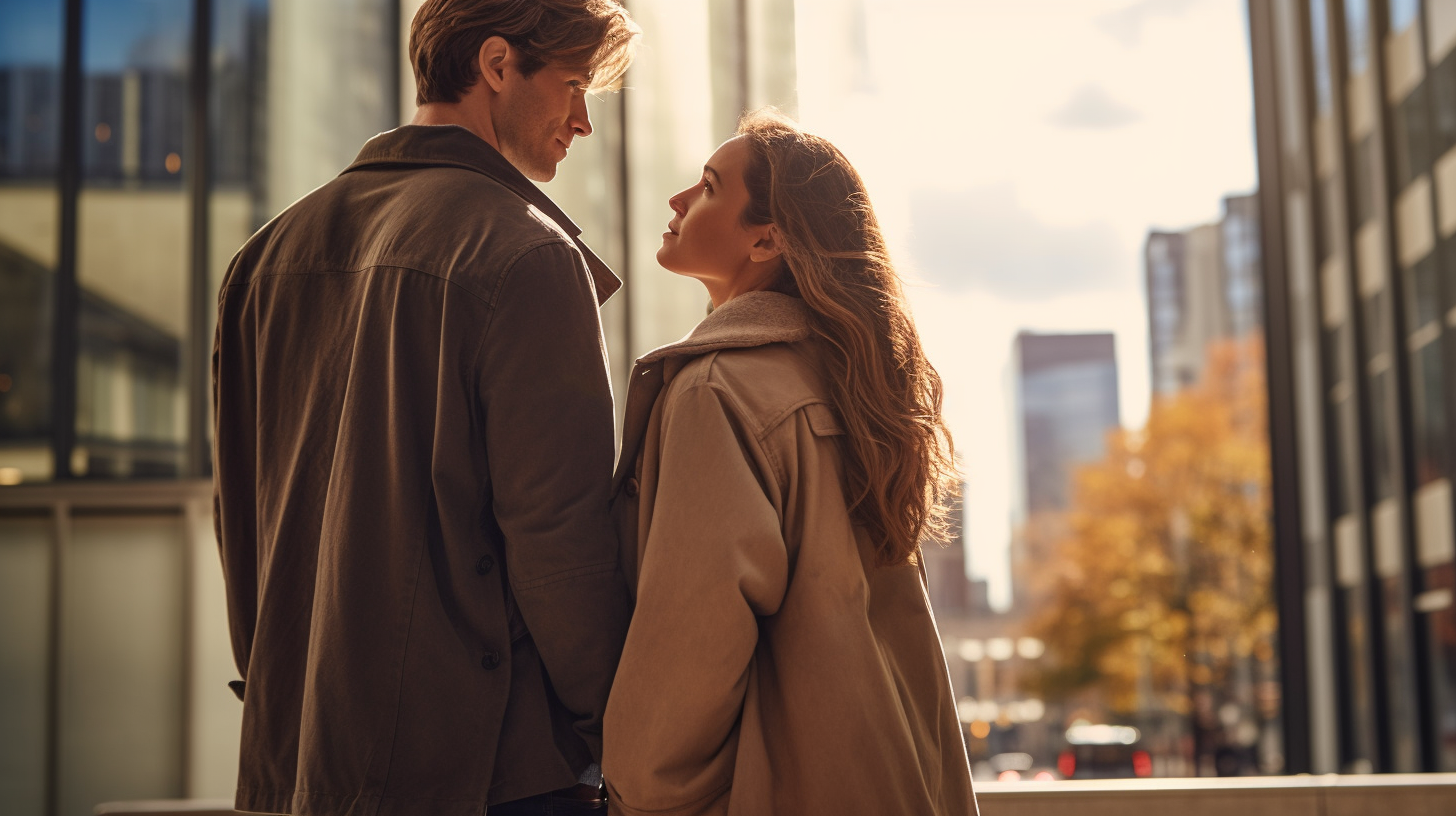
{"x": 779, "y": 466}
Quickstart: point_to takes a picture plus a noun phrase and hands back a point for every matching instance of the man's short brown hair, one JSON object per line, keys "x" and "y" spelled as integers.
{"x": 446, "y": 36}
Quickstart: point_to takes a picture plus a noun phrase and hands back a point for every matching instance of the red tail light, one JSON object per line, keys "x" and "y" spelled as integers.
{"x": 1142, "y": 763}
{"x": 1067, "y": 764}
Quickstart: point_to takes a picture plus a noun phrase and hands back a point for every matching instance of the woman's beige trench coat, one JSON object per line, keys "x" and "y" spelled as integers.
{"x": 771, "y": 667}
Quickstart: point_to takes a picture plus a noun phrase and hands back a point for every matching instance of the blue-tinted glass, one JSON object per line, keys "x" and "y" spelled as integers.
{"x": 31, "y": 35}
{"x": 134, "y": 115}
{"x": 1403, "y": 13}
{"x": 133, "y": 239}
{"x": 31, "y": 42}
{"x": 1357, "y": 34}
{"x": 1319, "y": 26}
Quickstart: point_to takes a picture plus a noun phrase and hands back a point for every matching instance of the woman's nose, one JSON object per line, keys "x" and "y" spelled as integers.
{"x": 677, "y": 205}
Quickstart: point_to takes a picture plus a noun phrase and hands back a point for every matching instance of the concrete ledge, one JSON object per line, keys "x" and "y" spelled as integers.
{"x": 167, "y": 807}
{"x": 1330, "y": 795}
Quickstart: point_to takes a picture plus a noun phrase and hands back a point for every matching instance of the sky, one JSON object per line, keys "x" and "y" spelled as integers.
{"x": 1017, "y": 154}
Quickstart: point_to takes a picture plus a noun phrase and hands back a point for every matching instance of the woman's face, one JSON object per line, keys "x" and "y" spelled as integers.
{"x": 706, "y": 238}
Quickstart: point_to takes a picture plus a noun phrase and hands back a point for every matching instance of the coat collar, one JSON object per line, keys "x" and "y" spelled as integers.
{"x": 454, "y": 146}
{"x": 751, "y": 319}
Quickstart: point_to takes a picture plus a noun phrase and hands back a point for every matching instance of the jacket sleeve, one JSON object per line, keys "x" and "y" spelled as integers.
{"x": 547, "y": 406}
{"x": 714, "y": 560}
{"x": 234, "y": 500}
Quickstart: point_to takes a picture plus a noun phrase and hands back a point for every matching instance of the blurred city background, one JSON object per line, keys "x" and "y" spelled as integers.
{"x": 1188, "y": 268}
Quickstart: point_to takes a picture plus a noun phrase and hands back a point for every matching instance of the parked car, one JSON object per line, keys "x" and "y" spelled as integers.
{"x": 1104, "y": 752}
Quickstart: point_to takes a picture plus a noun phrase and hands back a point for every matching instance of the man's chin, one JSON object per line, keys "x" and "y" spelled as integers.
{"x": 541, "y": 174}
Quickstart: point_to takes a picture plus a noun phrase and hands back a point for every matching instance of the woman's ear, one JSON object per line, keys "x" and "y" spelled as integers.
{"x": 491, "y": 61}
{"x": 768, "y": 246}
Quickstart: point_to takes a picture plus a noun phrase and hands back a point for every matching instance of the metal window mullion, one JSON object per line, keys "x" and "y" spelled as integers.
{"x": 1332, "y": 648}
{"x": 1402, "y": 474}
{"x": 199, "y": 184}
{"x": 1339, "y": 85}
{"x": 65, "y": 337}
{"x": 1288, "y": 539}
{"x": 59, "y": 549}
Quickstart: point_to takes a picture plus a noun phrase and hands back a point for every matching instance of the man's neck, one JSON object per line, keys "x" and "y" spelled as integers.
{"x": 456, "y": 113}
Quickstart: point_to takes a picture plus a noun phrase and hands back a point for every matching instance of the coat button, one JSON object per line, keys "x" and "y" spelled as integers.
{"x": 631, "y": 487}
{"x": 484, "y": 565}
{"x": 491, "y": 659}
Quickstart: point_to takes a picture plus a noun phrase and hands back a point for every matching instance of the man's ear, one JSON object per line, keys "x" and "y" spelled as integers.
{"x": 769, "y": 245}
{"x": 495, "y": 53}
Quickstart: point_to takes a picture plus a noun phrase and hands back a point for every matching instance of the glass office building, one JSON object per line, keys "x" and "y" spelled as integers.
{"x": 141, "y": 142}
{"x": 1356, "y": 120}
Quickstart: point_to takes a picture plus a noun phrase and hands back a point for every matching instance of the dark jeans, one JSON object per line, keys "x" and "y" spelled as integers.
{"x": 549, "y": 804}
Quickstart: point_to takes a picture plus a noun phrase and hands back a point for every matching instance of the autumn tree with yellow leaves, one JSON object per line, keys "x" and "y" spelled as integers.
{"x": 1154, "y": 591}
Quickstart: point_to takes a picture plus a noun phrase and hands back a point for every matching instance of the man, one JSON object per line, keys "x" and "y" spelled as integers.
{"x": 414, "y": 447}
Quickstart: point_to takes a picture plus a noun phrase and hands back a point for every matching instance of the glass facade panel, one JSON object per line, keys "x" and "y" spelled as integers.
{"x": 121, "y": 693}
{"x": 1443, "y": 96}
{"x": 1324, "y": 82}
{"x": 1363, "y": 167}
{"x": 30, "y": 122}
{"x": 1382, "y": 451}
{"x": 1422, "y": 295}
{"x": 1358, "y": 736}
{"x": 1357, "y": 35}
{"x": 1402, "y": 14}
{"x": 1400, "y": 675}
{"x": 25, "y": 546}
{"x": 1440, "y": 587}
{"x": 1411, "y": 137}
{"x": 133, "y": 242}
{"x": 1432, "y": 440}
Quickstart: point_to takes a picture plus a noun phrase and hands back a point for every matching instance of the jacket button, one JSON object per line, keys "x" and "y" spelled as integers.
{"x": 491, "y": 660}
{"x": 484, "y": 565}
{"x": 631, "y": 487}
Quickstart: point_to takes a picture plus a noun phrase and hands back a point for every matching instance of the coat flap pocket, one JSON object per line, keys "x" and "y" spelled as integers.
{"x": 823, "y": 420}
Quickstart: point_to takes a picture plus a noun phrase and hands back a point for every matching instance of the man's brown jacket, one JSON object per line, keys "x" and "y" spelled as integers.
{"x": 413, "y": 459}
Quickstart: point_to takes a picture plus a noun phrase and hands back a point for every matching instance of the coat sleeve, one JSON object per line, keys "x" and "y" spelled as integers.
{"x": 714, "y": 560}
{"x": 547, "y": 405}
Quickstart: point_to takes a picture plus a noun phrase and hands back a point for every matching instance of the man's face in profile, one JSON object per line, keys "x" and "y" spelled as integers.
{"x": 537, "y": 118}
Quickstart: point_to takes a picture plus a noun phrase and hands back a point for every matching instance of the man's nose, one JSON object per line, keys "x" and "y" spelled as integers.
{"x": 580, "y": 118}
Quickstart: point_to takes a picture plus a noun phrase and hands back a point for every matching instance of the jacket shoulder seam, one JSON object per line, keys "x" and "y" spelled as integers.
{"x": 758, "y": 432}
{"x": 500, "y": 283}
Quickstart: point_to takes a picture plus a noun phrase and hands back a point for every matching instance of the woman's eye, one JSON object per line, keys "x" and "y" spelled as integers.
{"x": 707, "y": 186}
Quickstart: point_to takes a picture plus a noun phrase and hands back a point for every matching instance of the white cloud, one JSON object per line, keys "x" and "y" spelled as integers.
{"x": 984, "y": 239}
{"x": 1091, "y": 106}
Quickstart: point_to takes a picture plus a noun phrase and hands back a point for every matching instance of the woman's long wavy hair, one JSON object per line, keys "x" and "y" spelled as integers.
{"x": 900, "y": 462}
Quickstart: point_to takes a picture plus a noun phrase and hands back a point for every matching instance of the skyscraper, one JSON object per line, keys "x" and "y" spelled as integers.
{"x": 1355, "y": 105}
{"x": 1203, "y": 287}
{"x": 1067, "y": 401}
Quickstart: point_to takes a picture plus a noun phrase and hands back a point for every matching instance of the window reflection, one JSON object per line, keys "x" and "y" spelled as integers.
{"x": 133, "y": 239}
{"x": 30, "y": 80}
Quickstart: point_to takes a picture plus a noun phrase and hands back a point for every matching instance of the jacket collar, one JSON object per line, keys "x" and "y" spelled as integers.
{"x": 454, "y": 146}
{"x": 751, "y": 319}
